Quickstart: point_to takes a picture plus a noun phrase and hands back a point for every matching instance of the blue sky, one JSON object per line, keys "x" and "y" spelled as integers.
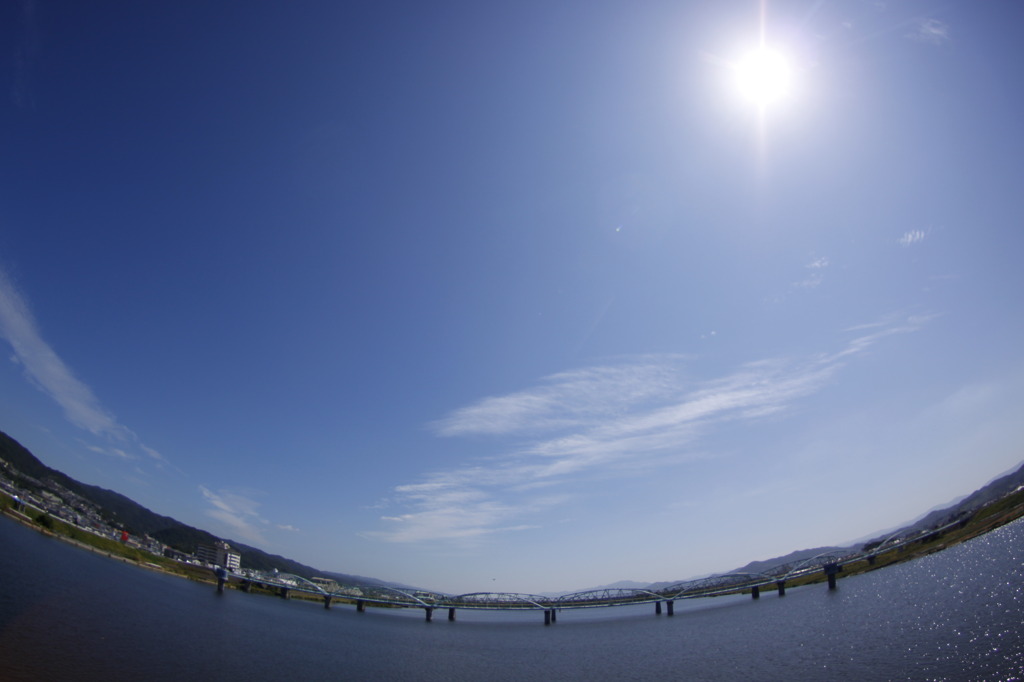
{"x": 522, "y": 296}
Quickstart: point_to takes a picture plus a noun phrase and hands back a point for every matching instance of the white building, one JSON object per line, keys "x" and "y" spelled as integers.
{"x": 219, "y": 554}
{"x": 326, "y": 584}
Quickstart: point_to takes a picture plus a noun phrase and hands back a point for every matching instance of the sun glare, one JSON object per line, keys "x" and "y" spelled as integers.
{"x": 763, "y": 77}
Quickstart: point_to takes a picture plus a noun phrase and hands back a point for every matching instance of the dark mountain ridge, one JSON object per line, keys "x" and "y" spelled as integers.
{"x": 987, "y": 494}
{"x": 994, "y": 490}
{"x": 123, "y": 512}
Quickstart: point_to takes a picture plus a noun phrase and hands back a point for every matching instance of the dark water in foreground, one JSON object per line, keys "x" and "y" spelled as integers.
{"x": 68, "y": 614}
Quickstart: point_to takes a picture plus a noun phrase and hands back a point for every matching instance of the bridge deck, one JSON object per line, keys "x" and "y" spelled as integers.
{"x": 501, "y": 601}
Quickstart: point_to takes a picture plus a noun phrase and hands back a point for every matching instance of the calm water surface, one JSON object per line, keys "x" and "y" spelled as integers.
{"x": 69, "y": 614}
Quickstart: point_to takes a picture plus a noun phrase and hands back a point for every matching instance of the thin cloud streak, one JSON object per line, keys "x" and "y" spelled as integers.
{"x": 45, "y": 370}
{"x": 239, "y": 512}
{"x": 911, "y": 237}
{"x": 931, "y": 31}
{"x": 566, "y": 400}
{"x": 623, "y": 419}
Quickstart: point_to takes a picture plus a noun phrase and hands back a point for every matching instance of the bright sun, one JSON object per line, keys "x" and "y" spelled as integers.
{"x": 763, "y": 77}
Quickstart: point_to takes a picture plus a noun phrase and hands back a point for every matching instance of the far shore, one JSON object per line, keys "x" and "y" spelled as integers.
{"x": 984, "y": 520}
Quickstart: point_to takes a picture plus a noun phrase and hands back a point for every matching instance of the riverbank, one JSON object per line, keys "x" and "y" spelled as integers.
{"x": 984, "y": 520}
{"x": 47, "y": 525}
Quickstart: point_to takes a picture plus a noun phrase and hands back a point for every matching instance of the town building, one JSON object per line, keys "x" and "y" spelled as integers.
{"x": 326, "y": 584}
{"x": 219, "y": 553}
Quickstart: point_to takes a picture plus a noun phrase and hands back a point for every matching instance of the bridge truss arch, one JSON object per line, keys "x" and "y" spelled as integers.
{"x": 498, "y": 600}
{"x": 814, "y": 563}
{"x": 382, "y": 594}
{"x": 716, "y": 584}
{"x": 605, "y": 597}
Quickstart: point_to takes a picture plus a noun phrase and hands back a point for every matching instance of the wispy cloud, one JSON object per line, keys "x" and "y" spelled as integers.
{"x": 882, "y": 330}
{"x": 45, "y": 370}
{"x": 635, "y": 416}
{"x": 815, "y": 274}
{"x": 911, "y": 237}
{"x": 564, "y": 400}
{"x": 111, "y": 451}
{"x": 453, "y": 512}
{"x": 240, "y": 513}
{"x": 153, "y": 454}
{"x": 931, "y": 31}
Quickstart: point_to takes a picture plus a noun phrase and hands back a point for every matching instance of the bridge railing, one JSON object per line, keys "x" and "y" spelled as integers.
{"x": 729, "y": 583}
{"x": 606, "y": 597}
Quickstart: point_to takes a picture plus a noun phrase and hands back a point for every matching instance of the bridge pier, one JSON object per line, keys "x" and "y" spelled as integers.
{"x": 246, "y": 586}
{"x": 430, "y": 613}
{"x": 755, "y": 592}
{"x": 671, "y": 607}
{"x": 781, "y": 584}
{"x": 871, "y": 559}
{"x": 657, "y": 608}
{"x": 451, "y": 614}
{"x": 284, "y": 593}
{"x": 554, "y": 615}
{"x": 327, "y": 601}
{"x": 222, "y": 578}
{"x": 830, "y": 571}
{"x": 360, "y": 606}
{"x": 547, "y": 616}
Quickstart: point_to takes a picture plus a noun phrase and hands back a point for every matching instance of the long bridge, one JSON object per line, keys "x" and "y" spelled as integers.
{"x": 829, "y": 563}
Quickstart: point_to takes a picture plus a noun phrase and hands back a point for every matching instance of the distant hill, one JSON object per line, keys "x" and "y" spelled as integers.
{"x": 121, "y": 511}
{"x": 619, "y": 585}
{"x": 348, "y": 579}
{"x": 792, "y": 557}
{"x": 756, "y": 566}
{"x": 997, "y": 489}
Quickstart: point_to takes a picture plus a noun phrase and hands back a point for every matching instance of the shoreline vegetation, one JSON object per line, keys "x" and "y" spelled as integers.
{"x": 988, "y": 518}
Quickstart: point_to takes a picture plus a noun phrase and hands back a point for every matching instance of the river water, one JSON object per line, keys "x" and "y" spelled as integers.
{"x": 69, "y": 614}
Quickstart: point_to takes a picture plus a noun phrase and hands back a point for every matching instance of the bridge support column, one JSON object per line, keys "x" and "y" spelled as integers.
{"x": 871, "y": 559}
{"x": 547, "y": 616}
{"x": 246, "y": 586}
{"x": 360, "y": 606}
{"x": 830, "y": 571}
{"x": 327, "y": 601}
{"x": 430, "y": 613}
{"x": 554, "y": 615}
{"x": 451, "y": 614}
{"x": 284, "y": 593}
{"x": 671, "y": 607}
{"x": 657, "y": 608}
{"x": 755, "y": 592}
{"x": 781, "y": 584}
{"x": 222, "y": 578}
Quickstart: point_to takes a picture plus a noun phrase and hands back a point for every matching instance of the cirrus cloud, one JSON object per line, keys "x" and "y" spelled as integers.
{"x": 930, "y": 31}
{"x": 45, "y": 370}
{"x": 638, "y": 416}
{"x": 911, "y": 237}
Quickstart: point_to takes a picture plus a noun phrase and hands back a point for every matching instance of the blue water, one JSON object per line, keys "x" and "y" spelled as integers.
{"x": 68, "y": 614}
